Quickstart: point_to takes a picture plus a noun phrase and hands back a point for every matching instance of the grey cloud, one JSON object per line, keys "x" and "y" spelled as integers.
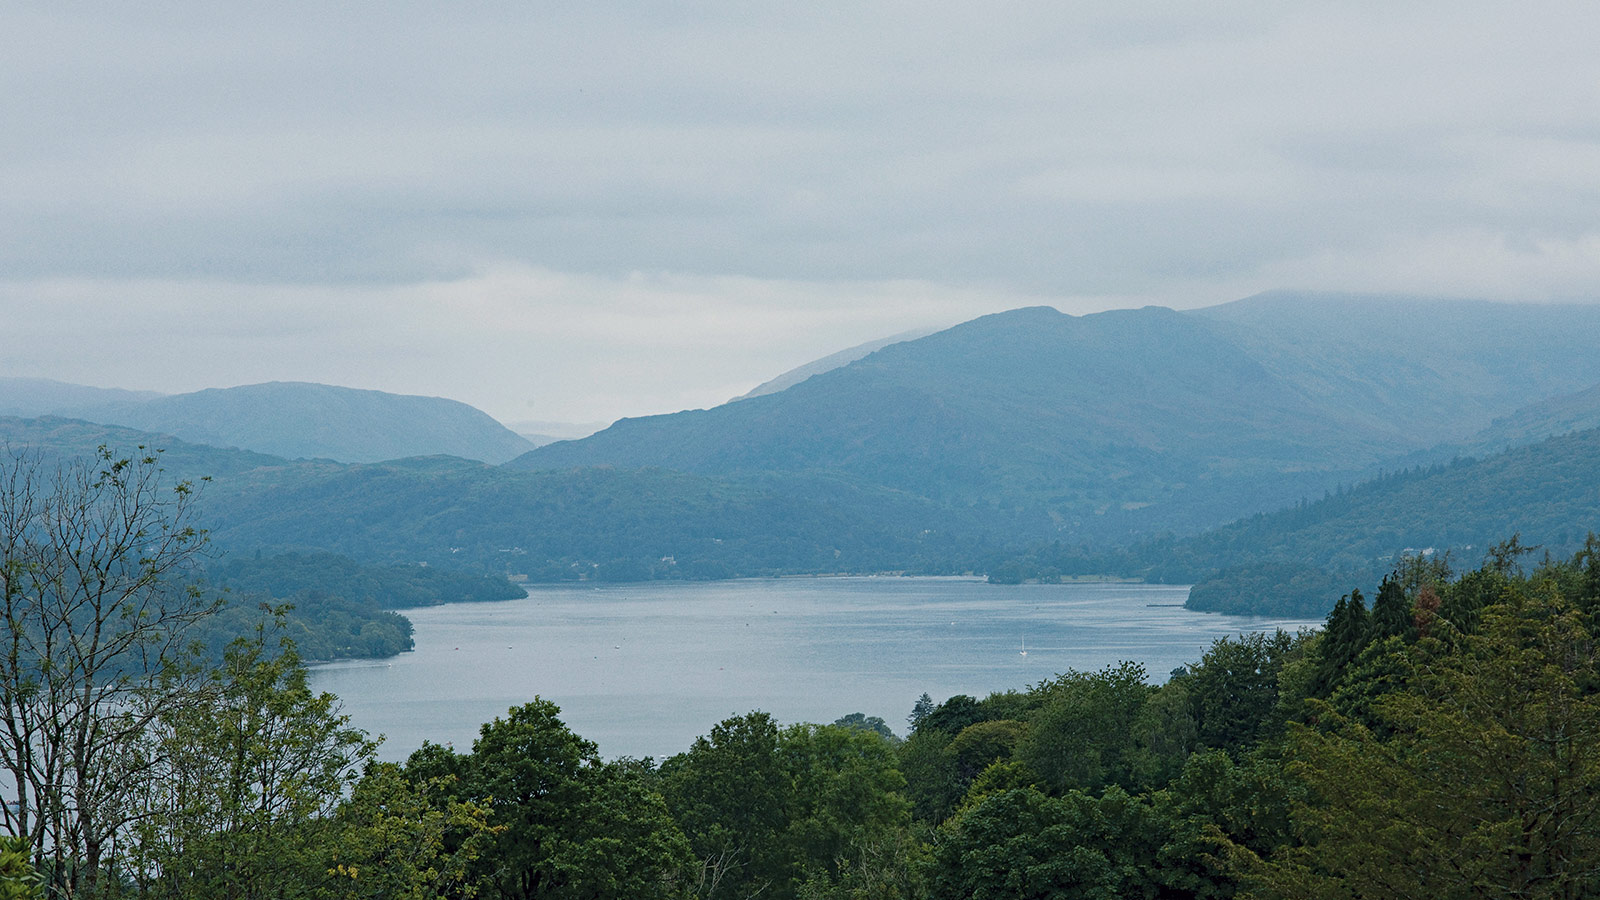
{"x": 1057, "y": 147}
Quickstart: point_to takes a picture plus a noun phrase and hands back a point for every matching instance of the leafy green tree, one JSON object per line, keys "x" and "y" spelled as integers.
{"x": 1586, "y": 563}
{"x": 1391, "y": 612}
{"x": 1024, "y": 844}
{"x": 631, "y": 846}
{"x": 890, "y": 870}
{"x": 1001, "y": 775}
{"x": 243, "y": 774}
{"x": 1164, "y": 733}
{"x": 1416, "y": 571}
{"x": 849, "y": 817}
{"x": 569, "y": 825}
{"x": 873, "y": 724}
{"x": 1217, "y": 801}
{"x": 981, "y": 744}
{"x": 1348, "y": 630}
{"x": 529, "y": 765}
{"x": 402, "y": 839}
{"x": 809, "y": 810}
{"x": 1461, "y": 604}
{"x": 954, "y": 714}
{"x": 1383, "y": 668}
{"x": 1083, "y": 734}
{"x": 1233, "y": 692}
{"x": 96, "y": 597}
{"x": 933, "y": 779}
{"x": 731, "y": 795}
{"x": 920, "y": 711}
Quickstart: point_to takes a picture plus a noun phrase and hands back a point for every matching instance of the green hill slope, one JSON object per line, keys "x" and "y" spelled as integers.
{"x": 1299, "y": 560}
{"x": 341, "y": 608}
{"x": 1547, "y": 492}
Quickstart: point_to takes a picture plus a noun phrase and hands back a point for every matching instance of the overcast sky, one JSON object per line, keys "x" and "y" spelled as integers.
{"x": 583, "y": 211}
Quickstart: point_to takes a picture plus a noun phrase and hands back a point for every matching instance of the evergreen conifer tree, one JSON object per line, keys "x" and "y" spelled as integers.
{"x": 1391, "y": 612}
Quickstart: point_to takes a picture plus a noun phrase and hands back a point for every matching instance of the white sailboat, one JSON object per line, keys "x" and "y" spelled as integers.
{"x": 1024, "y": 646}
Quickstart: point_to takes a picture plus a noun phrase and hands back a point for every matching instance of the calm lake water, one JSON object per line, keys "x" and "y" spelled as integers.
{"x": 643, "y": 669}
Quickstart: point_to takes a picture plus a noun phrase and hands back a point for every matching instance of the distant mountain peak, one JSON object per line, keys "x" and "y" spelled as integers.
{"x": 302, "y": 419}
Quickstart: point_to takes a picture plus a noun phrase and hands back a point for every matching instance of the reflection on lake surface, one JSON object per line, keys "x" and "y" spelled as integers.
{"x": 642, "y": 669}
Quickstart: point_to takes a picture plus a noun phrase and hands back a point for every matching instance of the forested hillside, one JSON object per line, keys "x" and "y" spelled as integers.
{"x": 1297, "y": 561}
{"x": 334, "y": 607}
{"x": 331, "y": 606}
{"x": 598, "y": 523}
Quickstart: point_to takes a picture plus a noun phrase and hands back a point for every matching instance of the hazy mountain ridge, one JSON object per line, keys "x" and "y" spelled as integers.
{"x": 597, "y": 523}
{"x": 46, "y": 396}
{"x": 306, "y": 420}
{"x": 1130, "y": 421}
{"x": 1434, "y": 370}
{"x": 826, "y": 364}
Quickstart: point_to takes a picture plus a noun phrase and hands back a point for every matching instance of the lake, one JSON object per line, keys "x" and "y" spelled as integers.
{"x": 642, "y": 669}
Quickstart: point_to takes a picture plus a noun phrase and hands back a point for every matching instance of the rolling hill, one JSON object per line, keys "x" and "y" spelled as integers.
{"x": 1546, "y": 491}
{"x": 45, "y": 396}
{"x": 303, "y": 420}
